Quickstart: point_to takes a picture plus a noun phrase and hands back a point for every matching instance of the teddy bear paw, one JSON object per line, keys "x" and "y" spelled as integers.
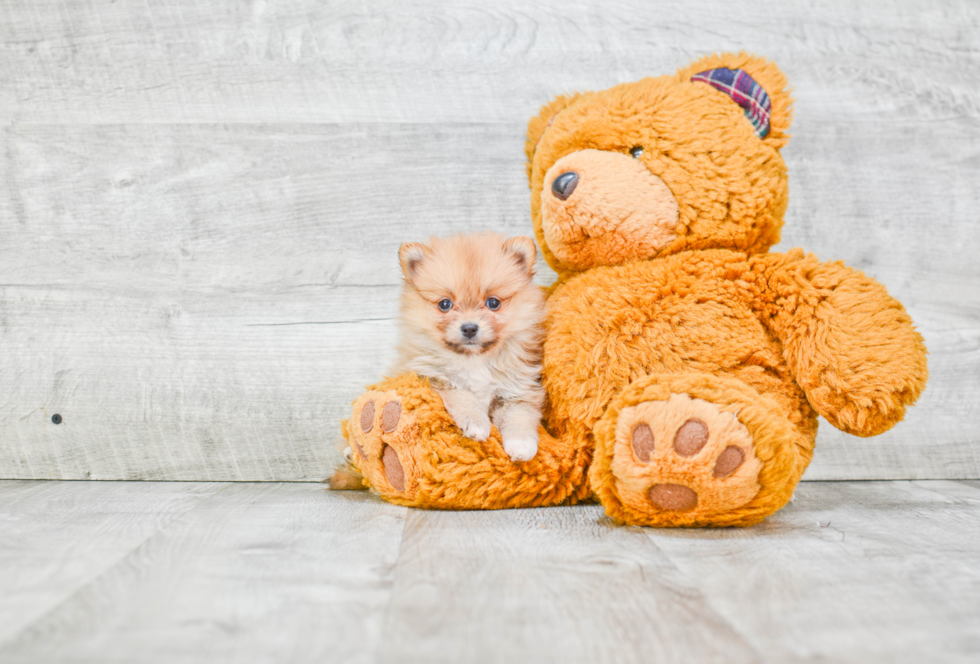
{"x": 684, "y": 455}
{"x": 381, "y": 441}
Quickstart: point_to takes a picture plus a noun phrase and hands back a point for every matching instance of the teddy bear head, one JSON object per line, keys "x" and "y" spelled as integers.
{"x": 661, "y": 165}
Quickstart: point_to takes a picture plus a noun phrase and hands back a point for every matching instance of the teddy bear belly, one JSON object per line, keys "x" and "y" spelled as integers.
{"x": 611, "y": 326}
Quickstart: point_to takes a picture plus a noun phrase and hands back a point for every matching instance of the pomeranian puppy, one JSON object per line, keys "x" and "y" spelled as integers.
{"x": 471, "y": 322}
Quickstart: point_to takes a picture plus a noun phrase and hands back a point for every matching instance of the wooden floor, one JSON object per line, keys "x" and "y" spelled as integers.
{"x": 287, "y": 572}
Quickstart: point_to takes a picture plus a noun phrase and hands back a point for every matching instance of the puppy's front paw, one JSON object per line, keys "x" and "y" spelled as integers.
{"x": 476, "y": 429}
{"x": 521, "y": 449}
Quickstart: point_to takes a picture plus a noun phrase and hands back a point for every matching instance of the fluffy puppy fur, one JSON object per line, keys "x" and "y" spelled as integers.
{"x": 471, "y": 322}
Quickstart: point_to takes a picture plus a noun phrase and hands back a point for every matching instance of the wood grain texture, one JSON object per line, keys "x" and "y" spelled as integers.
{"x": 204, "y": 303}
{"x": 258, "y": 573}
{"x": 459, "y": 60}
{"x": 546, "y": 585}
{"x": 56, "y": 537}
{"x": 201, "y": 203}
{"x": 849, "y": 572}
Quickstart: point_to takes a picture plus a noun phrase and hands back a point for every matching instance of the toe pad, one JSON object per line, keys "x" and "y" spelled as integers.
{"x": 673, "y": 497}
{"x": 394, "y": 472}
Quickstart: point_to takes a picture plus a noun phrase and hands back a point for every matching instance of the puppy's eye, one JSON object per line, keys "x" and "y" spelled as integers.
{"x": 636, "y": 152}
{"x": 445, "y": 305}
{"x": 493, "y": 303}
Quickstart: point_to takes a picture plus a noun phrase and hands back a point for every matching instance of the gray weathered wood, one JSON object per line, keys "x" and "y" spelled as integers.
{"x": 200, "y": 203}
{"x": 460, "y": 60}
{"x": 57, "y": 537}
{"x": 849, "y": 572}
{"x": 258, "y": 573}
{"x": 177, "y": 572}
{"x": 222, "y": 332}
{"x": 546, "y": 585}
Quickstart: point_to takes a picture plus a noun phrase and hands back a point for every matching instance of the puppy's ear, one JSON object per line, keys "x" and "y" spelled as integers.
{"x": 412, "y": 255}
{"x": 523, "y": 251}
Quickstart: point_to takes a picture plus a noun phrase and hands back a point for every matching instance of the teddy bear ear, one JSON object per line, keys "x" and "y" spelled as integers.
{"x": 755, "y": 84}
{"x": 540, "y": 123}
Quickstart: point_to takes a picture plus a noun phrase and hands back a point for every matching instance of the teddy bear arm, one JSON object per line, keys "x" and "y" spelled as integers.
{"x": 852, "y": 346}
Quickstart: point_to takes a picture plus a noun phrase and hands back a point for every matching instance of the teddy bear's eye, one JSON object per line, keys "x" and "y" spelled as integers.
{"x": 445, "y": 304}
{"x": 636, "y": 151}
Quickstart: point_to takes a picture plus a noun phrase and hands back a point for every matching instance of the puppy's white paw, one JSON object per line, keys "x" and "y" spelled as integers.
{"x": 348, "y": 454}
{"x": 521, "y": 449}
{"x": 477, "y": 429}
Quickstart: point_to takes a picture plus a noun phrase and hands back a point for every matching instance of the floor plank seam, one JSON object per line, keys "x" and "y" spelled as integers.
{"x": 746, "y": 639}
{"x": 386, "y": 618}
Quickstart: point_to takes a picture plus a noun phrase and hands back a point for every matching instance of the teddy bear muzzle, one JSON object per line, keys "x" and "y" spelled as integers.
{"x": 605, "y": 208}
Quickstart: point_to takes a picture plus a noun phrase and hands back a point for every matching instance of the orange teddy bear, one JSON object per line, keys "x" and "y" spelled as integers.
{"x": 684, "y": 365}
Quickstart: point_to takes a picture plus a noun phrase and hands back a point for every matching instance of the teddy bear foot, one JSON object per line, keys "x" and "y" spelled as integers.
{"x": 382, "y": 443}
{"x": 411, "y": 452}
{"x": 677, "y": 459}
{"x": 684, "y": 455}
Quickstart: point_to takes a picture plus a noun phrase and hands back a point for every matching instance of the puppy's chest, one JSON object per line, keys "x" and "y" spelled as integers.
{"x": 477, "y": 378}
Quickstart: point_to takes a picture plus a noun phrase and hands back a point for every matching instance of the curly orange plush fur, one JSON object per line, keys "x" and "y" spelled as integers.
{"x": 685, "y": 366}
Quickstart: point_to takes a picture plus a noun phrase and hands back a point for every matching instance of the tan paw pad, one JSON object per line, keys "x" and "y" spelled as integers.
{"x": 394, "y": 472}
{"x": 367, "y": 417}
{"x": 390, "y": 415}
{"x": 691, "y": 437}
{"x": 673, "y": 497}
{"x": 366, "y": 421}
{"x": 728, "y": 461}
{"x": 377, "y": 415}
{"x": 643, "y": 443}
{"x": 684, "y": 455}
{"x": 383, "y": 437}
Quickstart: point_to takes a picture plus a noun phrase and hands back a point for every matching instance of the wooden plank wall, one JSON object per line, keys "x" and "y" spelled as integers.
{"x": 201, "y": 202}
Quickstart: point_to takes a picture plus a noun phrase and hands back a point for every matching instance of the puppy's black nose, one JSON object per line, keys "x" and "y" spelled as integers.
{"x": 564, "y": 185}
{"x": 469, "y": 330}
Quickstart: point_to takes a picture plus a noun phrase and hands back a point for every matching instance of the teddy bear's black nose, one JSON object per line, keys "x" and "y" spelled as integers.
{"x": 564, "y": 185}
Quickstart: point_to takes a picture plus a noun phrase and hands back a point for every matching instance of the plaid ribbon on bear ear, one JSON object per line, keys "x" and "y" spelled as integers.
{"x": 744, "y": 91}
